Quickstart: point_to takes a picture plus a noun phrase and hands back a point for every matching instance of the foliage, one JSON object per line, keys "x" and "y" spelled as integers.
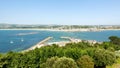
{"x": 73, "y": 53}
{"x": 85, "y": 62}
{"x": 49, "y": 63}
{"x": 103, "y": 57}
{"x": 102, "y": 54}
{"x": 115, "y": 40}
{"x": 64, "y": 62}
{"x": 115, "y": 65}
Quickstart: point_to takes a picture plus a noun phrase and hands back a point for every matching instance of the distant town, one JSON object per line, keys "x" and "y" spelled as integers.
{"x": 60, "y": 27}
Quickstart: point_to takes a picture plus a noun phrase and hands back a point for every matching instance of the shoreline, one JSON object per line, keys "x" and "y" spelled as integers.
{"x": 60, "y": 43}
{"x": 67, "y": 30}
{"x": 38, "y": 45}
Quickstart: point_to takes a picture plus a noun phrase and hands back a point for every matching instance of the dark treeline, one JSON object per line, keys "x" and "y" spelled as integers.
{"x": 73, "y": 55}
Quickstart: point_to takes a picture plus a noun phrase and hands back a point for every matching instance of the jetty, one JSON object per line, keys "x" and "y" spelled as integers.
{"x": 68, "y": 38}
{"x": 38, "y": 45}
{"x": 72, "y": 39}
{"x": 60, "y": 43}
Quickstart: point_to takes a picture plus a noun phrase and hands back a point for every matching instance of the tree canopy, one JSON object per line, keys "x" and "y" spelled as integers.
{"x": 77, "y": 55}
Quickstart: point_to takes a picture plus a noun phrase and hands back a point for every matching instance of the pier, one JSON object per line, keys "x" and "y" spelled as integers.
{"x": 61, "y": 43}
{"x": 69, "y": 38}
{"x": 72, "y": 39}
{"x": 45, "y": 40}
{"x": 38, "y": 45}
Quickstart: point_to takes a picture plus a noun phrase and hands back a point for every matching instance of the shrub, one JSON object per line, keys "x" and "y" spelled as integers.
{"x": 85, "y": 62}
{"x": 65, "y": 63}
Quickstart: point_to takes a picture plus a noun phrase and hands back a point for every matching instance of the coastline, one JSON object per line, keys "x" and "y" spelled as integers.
{"x": 60, "y": 43}
{"x": 67, "y": 30}
{"x": 81, "y": 35}
{"x": 38, "y": 45}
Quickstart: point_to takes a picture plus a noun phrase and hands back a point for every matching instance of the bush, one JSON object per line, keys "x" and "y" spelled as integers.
{"x": 65, "y": 63}
{"x": 85, "y": 62}
{"x": 103, "y": 57}
{"x": 49, "y": 63}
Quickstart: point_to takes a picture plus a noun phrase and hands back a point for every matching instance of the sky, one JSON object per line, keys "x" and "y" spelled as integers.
{"x": 60, "y": 12}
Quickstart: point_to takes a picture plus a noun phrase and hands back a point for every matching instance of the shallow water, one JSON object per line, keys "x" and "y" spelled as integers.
{"x": 17, "y": 40}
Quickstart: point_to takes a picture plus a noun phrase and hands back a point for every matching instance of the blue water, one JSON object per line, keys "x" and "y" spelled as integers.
{"x": 6, "y": 36}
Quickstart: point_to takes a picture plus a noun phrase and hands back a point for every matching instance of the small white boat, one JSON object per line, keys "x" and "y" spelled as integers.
{"x": 22, "y": 40}
{"x": 11, "y": 42}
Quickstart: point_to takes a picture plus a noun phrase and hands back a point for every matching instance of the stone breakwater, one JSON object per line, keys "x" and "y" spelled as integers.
{"x": 61, "y": 43}
{"x": 38, "y": 45}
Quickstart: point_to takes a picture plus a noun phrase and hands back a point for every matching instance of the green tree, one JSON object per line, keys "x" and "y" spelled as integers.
{"x": 115, "y": 40}
{"x": 64, "y": 62}
{"x": 5, "y": 61}
{"x": 0, "y": 55}
{"x": 73, "y": 53}
{"x": 103, "y": 57}
{"x": 49, "y": 63}
{"x": 85, "y": 62}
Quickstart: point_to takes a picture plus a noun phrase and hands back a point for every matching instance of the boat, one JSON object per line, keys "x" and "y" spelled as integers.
{"x": 22, "y": 40}
{"x": 11, "y": 42}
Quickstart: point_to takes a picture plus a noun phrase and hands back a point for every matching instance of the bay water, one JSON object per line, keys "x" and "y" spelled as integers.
{"x": 18, "y": 40}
